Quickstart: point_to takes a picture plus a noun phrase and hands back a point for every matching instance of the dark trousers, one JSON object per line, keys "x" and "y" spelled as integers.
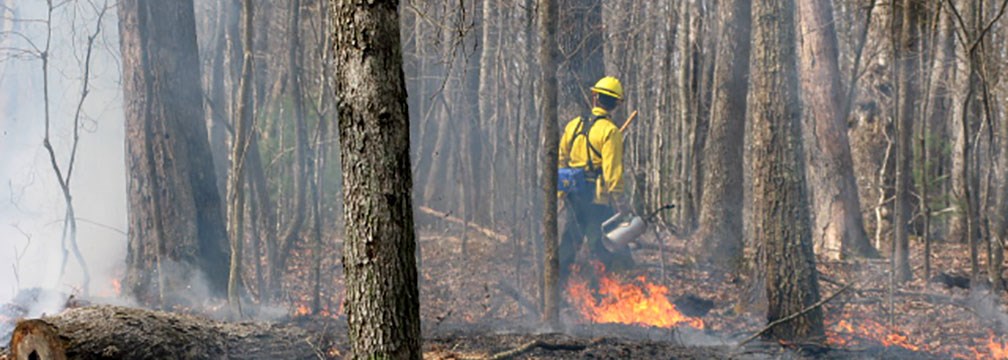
{"x": 584, "y": 223}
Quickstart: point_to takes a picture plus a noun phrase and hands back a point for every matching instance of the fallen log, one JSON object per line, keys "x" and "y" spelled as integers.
{"x": 114, "y": 332}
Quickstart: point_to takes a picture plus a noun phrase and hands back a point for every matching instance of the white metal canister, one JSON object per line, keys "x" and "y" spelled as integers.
{"x": 619, "y": 236}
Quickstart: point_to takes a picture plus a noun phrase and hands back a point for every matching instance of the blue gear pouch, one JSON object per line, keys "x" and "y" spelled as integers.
{"x": 571, "y": 181}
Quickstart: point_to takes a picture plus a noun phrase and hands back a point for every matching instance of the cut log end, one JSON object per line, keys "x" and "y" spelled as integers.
{"x": 37, "y": 340}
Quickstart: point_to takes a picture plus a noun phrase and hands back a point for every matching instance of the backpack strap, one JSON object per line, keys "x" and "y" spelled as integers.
{"x": 585, "y": 130}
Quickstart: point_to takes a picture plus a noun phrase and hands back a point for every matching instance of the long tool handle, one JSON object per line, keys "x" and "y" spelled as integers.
{"x": 628, "y": 121}
{"x": 652, "y": 215}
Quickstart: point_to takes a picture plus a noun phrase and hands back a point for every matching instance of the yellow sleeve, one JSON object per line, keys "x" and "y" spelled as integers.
{"x": 612, "y": 162}
{"x": 565, "y": 144}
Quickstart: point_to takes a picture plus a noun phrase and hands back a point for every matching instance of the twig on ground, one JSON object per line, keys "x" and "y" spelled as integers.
{"x": 795, "y": 315}
{"x": 534, "y": 344}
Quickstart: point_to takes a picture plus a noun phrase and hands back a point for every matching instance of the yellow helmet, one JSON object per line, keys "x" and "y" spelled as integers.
{"x": 609, "y": 86}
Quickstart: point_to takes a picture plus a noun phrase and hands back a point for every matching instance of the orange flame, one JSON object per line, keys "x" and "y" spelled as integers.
{"x": 116, "y": 287}
{"x": 998, "y": 350}
{"x": 627, "y": 303}
{"x": 844, "y": 332}
{"x": 303, "y": 309}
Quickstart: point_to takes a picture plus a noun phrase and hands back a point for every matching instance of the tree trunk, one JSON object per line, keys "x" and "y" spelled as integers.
{"x": 721, "y": 206}
{"x": 937, "y": 113}
{"x": 292, "y": 229}
{"x": 837, "y": 227}
{"x": 965, "y": 175}
{"x": 489, "y": 94}
{"x": 217, "y": 121}
{"x": 239, "y": 154}
{"x": 176, "y": 223}
{"x": 113, "y": 332}
{"x": 382, "y": 299}
{"x": 265, "y": 218}
{"x": 548, "y": 51}
{"x": 688, "y": 55}
{"x": 779, "y": 203}
{"x": 908, "y": 52}
{"x": 1000, "y": 223}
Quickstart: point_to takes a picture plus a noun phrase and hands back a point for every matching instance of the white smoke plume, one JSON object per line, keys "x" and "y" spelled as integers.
{"x": 31, "y": 203}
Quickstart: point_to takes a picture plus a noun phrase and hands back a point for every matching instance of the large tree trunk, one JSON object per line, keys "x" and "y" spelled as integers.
{"x": 176, "y": 222}
{"x": 382, "y": 299}
{"x": 837, "y": 227}
{"x": 721, "y": 206}
{"x": 779, "y": 203}
{"x": 113, "y": 332}
{"x": 548, "y": 160}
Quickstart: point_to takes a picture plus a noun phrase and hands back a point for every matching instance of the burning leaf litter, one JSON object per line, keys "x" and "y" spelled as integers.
{"x": 639, "y": 302}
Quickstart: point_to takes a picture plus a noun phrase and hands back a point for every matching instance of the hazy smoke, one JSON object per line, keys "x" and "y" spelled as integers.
{"x": 31, "y": 204}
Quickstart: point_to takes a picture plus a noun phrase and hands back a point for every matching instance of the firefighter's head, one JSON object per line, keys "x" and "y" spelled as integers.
{"x": 608, "y": 93}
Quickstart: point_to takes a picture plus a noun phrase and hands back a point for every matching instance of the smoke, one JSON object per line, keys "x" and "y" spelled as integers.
{"x": 31, "y": 203}
{"x": 988, "y": 306}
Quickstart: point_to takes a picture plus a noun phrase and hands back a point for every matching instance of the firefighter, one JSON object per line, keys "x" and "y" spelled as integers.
{"x": 591, "y": 178}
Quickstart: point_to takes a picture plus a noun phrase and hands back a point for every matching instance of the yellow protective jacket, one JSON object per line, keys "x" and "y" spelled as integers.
{"x": 605, "y": 137}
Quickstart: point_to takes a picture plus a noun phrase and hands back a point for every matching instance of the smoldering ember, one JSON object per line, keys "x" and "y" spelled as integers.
{"x": 511, "y": 179}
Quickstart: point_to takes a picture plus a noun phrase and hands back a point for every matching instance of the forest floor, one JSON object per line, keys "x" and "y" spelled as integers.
{"x": 472, "y": 306}
{"x": 483, "y": 305}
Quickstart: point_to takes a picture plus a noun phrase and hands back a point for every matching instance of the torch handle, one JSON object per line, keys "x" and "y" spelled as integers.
{"x": 628, "y": 121}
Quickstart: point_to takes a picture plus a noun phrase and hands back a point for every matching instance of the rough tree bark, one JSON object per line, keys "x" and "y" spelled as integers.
{"x": 176, "y": 220}
{"x": 548, "y": 52}
{"x": 721, "y": 206}
{"x": 382, "y": 299}
{"x": 113, "y": 332}
{"x": 837, "y": 227}
{"x": 780, "y": 211}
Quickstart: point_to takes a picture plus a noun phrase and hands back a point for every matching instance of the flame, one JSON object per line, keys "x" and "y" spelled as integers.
{"x": 844, "y": 332}
{"x": 627, "y": 303}
{"x": 116, "y": 287}
{"x": 302, "y": 310}
{"x": 998, "y": 350}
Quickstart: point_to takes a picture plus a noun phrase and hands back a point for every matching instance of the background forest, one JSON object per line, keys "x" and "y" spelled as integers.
{"x": 903, "y": 121}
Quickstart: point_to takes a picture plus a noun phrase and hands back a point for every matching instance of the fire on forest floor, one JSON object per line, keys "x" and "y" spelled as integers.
{"x": 927, "y": 319}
